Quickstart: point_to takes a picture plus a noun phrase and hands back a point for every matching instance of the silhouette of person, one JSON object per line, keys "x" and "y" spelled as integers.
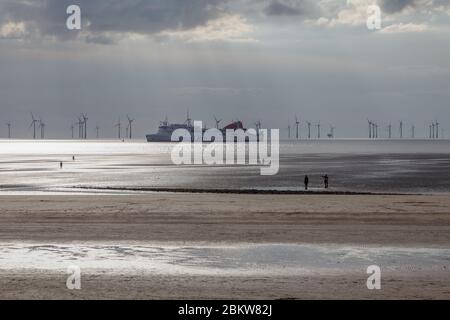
{"x": 73, "y": 158}
{"x": 325, "y": 181}
{"x": 60, "y": 165}
{"x": 306, "y": 181}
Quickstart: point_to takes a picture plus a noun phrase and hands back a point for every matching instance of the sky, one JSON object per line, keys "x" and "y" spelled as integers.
{"x": 252, "y": 60}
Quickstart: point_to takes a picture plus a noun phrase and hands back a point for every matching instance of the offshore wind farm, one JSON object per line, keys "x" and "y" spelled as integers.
{"x": 431, "y": 130}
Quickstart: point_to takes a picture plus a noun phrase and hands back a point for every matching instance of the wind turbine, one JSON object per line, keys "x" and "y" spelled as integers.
{"x": 85, "y": 119}
{"x": 97, "y": 129}
{"x": 130, "y": 123}
{"x": 188, "y": 119}
{"x": 289, "y": 130}
{"x": 318, "y": 130}
{"x": 33, "y": 124}
{"x": 374, "y": 130}
{"x": 413, "y": 133}
{"x": 375, "y": 127}
{"x": 309, "y": 129}
{"x": 401, "y": 129}
{"x": 72, "y": 127}
{"x": 370, "y": 128}
{"x": 9, "y": 129}
{"x": 217, "y": 122}
{"x": 42, "y": 127}
{"x": 118, "y": 126}
{"x": 297, "y": 123}
{"x": 258, "y": 127}
{"x": 437, "y": 129}
{"x": 80, "y": 128}
{"x": 390, "y": 130}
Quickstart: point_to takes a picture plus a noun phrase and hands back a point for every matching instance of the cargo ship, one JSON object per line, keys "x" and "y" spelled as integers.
{"x": 165, "y": 130}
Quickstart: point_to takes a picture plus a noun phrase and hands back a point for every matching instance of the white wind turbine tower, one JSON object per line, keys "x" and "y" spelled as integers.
{"x": 373, "y": 130}
{"x": 318, "y": 130}
{"x": 130, "y": 127}
{"x": 257, "y": 127}
{"x": 118, "y": 125}
{"x": 309, "y": 129}
{"x": 401, "y": 129}
{"x": 80, "y": 128}
{"x": 437, "y": 129}
{"x": 9, "y": 129}
{"x": 217, "y": 122}
{"x": 42, "y": 127}
{"x": 297, "y": 123}
{"x": 188, "y": 119}
{"x": 33, "y": 124}
{"x": 72, "y": 126}
{"x": 370, "y": 128}
{"x": 85, "y": 119}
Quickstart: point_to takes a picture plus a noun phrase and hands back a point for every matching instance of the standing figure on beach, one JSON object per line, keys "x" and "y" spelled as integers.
{"x": 60, "y": 164}
{"x": 306, "y": 181}
{"x": 325, "y": 181}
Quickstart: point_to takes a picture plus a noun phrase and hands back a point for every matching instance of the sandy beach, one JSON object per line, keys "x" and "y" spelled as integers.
{"x": 374, "y": 221}
{"x": 387, "y": 220}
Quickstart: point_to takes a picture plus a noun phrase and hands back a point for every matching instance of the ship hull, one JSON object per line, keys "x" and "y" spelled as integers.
{"x": 161, "y": 138}
{"x": 158, "y": 138}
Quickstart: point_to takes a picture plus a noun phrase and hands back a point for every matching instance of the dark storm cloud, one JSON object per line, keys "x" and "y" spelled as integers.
{"x": 393, "y": 6}
{"x": 294, "y": 8}
{"x": 311, "y": 9}
{"x": 101, "y": 17}
{"x": 276, "y": 8}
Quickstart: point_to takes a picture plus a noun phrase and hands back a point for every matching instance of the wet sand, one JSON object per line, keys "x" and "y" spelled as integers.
{"x": 48, "y": 285}
{"x": 372, "y": 220}
{"x": 389, "y": 220}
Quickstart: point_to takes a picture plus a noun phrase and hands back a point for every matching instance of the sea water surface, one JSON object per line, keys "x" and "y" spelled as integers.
{"x": 402, "y": 165}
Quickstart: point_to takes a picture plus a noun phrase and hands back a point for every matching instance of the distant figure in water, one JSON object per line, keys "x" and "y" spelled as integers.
{"x": 325, "y": 181}
{"x": 73, "y": 158}
{"x": 306, "y": 182}
{"x": 60, "y": 165}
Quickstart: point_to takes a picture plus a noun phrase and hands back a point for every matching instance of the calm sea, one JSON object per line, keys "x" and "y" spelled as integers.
{"x": 416, "y": 166}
